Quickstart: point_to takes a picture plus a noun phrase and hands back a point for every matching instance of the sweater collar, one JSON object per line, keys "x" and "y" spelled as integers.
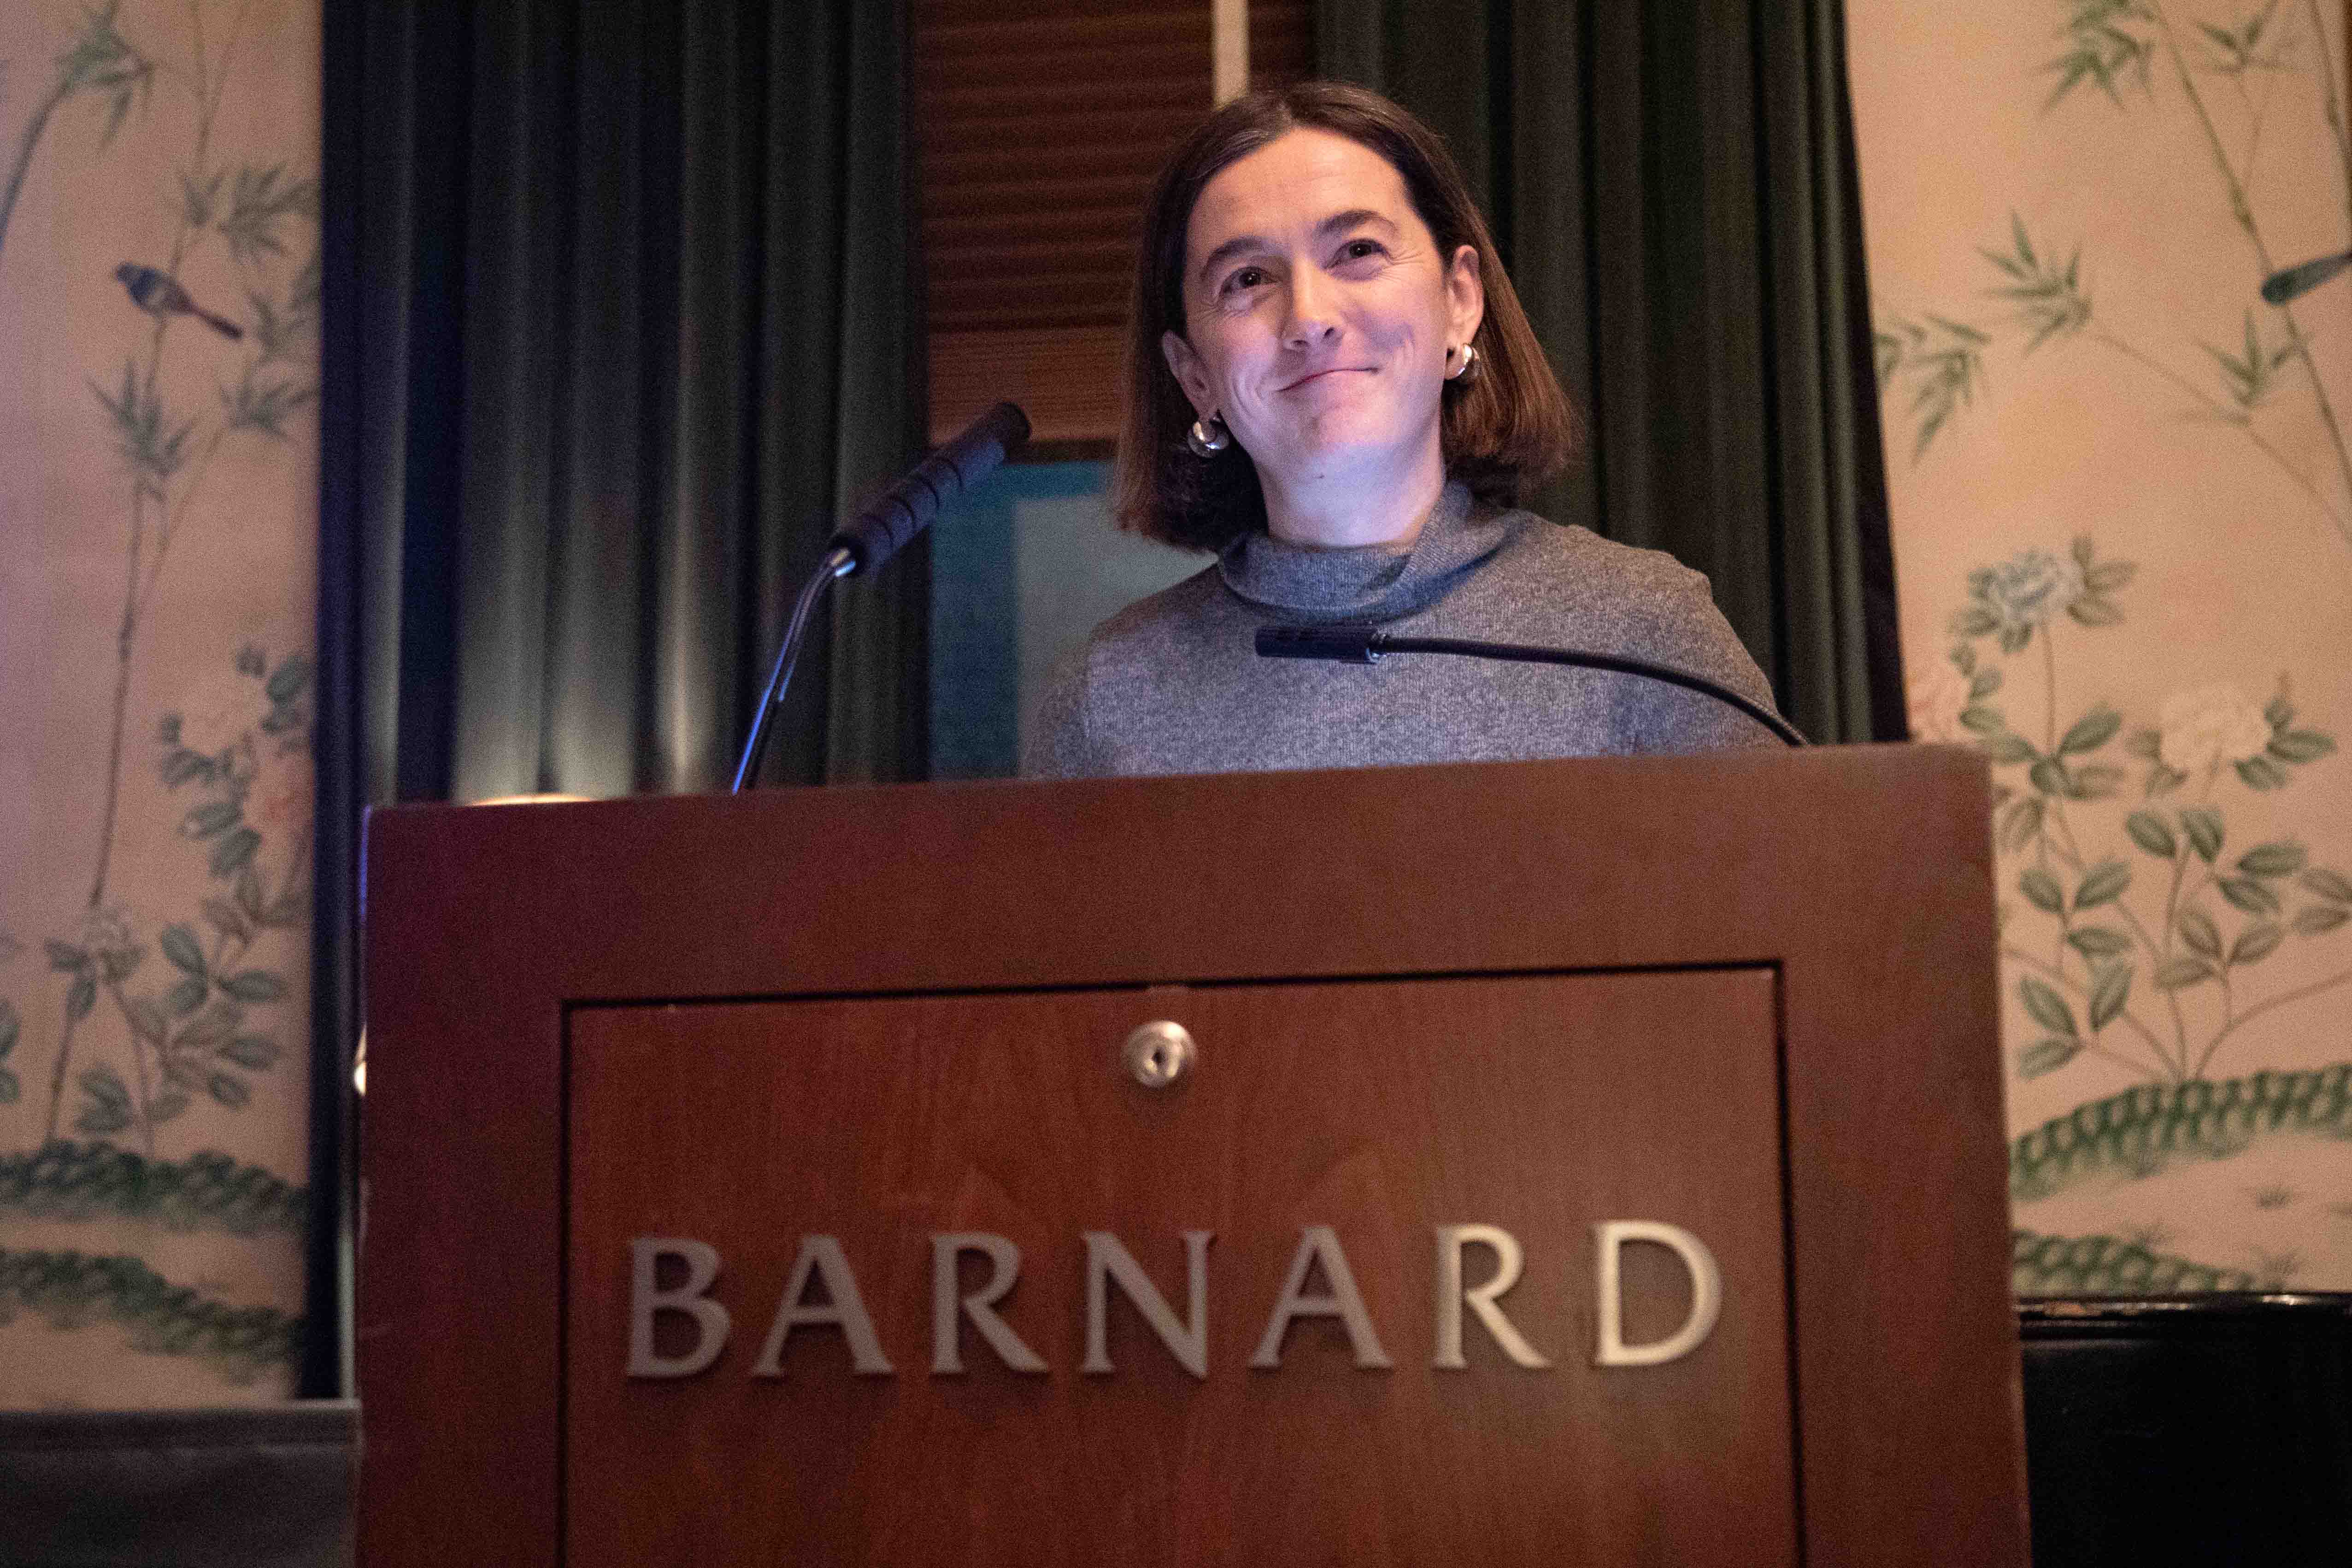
{"x": 1368, "y": 582}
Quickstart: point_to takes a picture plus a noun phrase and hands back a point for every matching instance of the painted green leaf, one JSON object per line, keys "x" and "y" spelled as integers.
{"x": 103, "y": 1085}
{"x": 2049, "y": 775}
{"x": 2097, "y": 781}
{"x": 167, "y": 1105}
{"x": 2203, "y": 826}
{"x": 1984, "y": 720}
{"x": 2109, "y": 991}
{"x": 2046, "y": 1056}
{"x": 2320, "y": 918}
{"x": 2198, "y": 930}
{"x": 146, "y": 1019}
{"x": 2103, "y": 884}
{"x": 2022, "y": 821}
{"x": 2151, "y": 832}
{"x": 2328, "y": 884}
{"x": 80, "y": 999}
{"x": 1974, "y": 622}
{"x": 248, "y": 893}
{"x": 2091, "y": 731}
{"x": 119, "y": 964}
{"x": 182, "y": 766}
{"x": 2249, "y": 895}
{"x": 65, "y": 957}
{"x": 2041, "y": 889}
{"x": 2261, "y": 773}
{"x": 2300, "y": 746}
{"x": 254, "y": 985}
{"x": 228, "y": 1089}
{"x": 212, "y": 816}
{"x": 2048, "y": 1007}
{"x": 2098, "y": 941}
{"x": 2091, "y": 611}
{"x": 2256, "y": 943}
{"x": 2108, "y": 576}
{"x": 2144, "y": 744}
{"x": 211, "y": 1027}
{"x": 8, "y": 1089}
{"x": 291, "y": 677}
{"x": 2009, "y": 748}
{"x": 234, "y": 850}
{"x": 10, "y": 1026}
{"x": 2280, "y": 859}
{"x": 1985, "y": 683}
{"x": 184, "y": 997}
{"x": 99, "y": 1120}
{"x": 2181, "y": 973}
{"x": 181, "y": 947}
{"x": 255, "y": 1051}
{"x": 227, "y": 919}
{"x": 2278, "y": 713}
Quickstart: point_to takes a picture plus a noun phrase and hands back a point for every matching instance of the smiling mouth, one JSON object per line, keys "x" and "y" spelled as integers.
{"x": 1334, "y": 370}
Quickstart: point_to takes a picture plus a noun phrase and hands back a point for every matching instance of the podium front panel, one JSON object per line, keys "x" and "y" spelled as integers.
{"x": 1748, "y": 1001}
{"x": 1379, "y": 1110}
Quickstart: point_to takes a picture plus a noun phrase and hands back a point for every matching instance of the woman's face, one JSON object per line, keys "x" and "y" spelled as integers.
{"x": 1318, "y": 312}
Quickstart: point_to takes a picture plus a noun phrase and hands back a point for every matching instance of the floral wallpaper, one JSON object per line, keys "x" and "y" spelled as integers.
{"x": 2123, "y": 516}
{"x": 159, "y": 293}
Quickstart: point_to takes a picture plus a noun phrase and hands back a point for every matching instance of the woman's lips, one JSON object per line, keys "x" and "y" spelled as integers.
{"x": 1314, "y": 376}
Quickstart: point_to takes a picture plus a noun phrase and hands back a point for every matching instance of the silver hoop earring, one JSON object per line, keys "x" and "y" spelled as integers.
{"x": 1208, "y": 436}
{"x": 1469, "y": 358}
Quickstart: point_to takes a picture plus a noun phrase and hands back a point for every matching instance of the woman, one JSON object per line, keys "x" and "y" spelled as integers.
{"x": 1330, "y": 383}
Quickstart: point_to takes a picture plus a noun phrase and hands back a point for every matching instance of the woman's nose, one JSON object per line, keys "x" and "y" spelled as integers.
{"x": 1314, "y": 317}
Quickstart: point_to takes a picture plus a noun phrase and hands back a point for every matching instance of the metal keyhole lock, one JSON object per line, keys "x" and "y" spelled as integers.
{"x": 1160, "y": 1053}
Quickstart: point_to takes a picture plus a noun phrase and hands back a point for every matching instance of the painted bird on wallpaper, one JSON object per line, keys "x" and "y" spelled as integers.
{"x": 159, "y": 294}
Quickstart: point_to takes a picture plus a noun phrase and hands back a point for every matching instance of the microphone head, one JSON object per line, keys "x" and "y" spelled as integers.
{"x": 883, "y": 528}
{"x": 1348, "y": 644}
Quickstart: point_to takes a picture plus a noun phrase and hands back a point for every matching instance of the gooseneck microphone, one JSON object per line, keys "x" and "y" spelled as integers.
{"x": 2295, "y": 281}
{"x": 1369, "y": 644}
{"x": 880, "y": 531}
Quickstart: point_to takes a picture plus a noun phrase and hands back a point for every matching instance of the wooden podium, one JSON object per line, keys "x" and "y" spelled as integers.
{"x": 1585, "y": 1162}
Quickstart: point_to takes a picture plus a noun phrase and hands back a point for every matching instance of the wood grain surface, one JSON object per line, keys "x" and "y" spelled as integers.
{"x": 1860, "y": 877}
{"x": 1379, "y": 1108}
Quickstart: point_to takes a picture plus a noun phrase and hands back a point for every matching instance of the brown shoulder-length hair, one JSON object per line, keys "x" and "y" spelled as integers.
{"x": 1506, "y": 424}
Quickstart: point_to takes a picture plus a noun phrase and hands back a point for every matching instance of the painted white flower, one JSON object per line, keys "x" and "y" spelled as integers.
{"x": 2209, "y": 724}
{"x": 1936, "y": 701}
{"x": 2031, "y": 589}
{"x": 217, "y": 711}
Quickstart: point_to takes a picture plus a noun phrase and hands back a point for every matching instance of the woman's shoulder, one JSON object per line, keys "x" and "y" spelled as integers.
{"x": 1570, "y": 559}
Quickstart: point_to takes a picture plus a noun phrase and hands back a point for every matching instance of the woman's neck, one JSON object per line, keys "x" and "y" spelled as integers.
{"x": 1384, "y": 506}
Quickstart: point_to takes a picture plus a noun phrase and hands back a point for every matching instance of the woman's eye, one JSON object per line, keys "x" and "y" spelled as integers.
{"x": 1357, "y": 249}
{"x": 1247, "y": 277}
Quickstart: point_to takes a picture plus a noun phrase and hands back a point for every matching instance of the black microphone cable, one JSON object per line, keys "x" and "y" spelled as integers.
{"x": 1369, "y": 644}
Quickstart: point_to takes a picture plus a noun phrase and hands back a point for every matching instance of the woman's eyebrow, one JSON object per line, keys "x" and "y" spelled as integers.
{"x": 1338, "y": 223}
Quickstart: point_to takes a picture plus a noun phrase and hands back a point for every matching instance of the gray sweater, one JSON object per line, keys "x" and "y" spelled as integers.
{"x": 1173, "y": 685}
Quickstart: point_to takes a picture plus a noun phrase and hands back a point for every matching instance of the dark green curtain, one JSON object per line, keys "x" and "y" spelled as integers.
{"x": 620, "y": 317}
{"x": 635, "y": 322}
{"x": 1671, "y": 184}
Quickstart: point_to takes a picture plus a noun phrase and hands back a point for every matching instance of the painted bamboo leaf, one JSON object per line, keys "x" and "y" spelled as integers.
{"x": 2048, "y": 1007}
{"x": 2281, "y": 859}
{"x": 2249, "y": 895}
{"x": 2041, "y": 889}
{"x": 2327, "y": 885}
{"x": 2150, "y": 832}
{"x": 2098, "y": 941}
{"x": 2256, "y": 943}
{"x": 2046, "y": 1056}
{"x": 2198, "y": 930}
{"x": 2181, "y": 973}
{"x": 2203, "y": 826}
{"x": 2109, "y": 991}
{"x": 2320, "y": 918}
{"x": 2103, "y": 884}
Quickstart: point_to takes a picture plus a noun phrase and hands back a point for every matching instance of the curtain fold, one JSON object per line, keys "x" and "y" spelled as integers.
{"x": 637, "y": 298}
{"x": 1671, "y": 184}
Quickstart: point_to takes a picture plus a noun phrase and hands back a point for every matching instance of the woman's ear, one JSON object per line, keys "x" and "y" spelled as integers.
{"x": 1186, "y": 365}
{"x": 1466, "y": 294}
